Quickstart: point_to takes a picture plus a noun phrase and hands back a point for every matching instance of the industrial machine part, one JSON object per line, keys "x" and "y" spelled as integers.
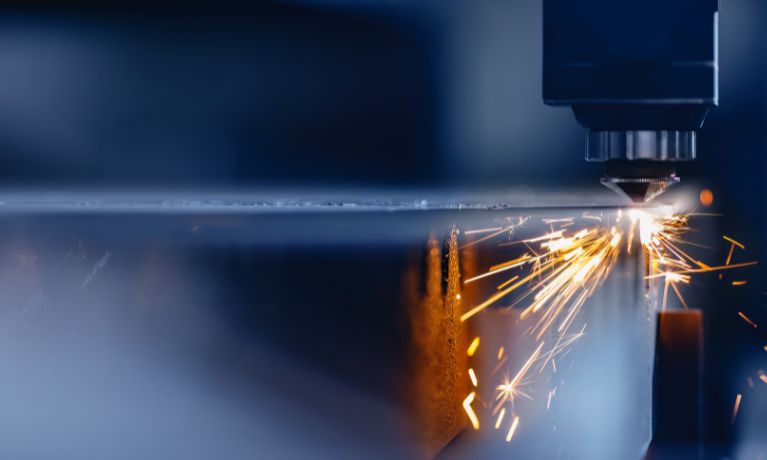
{"x": 640, "y": 76}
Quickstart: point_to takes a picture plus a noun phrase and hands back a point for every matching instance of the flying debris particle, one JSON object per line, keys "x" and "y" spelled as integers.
{"x": 733, "y": 243}
{"x": 473, "y": 377}
{"x": 546, "y": 236}
{"x": 551, "y": 395}
{"x": 482, "y": 230}
{"x": 765, "y": 348}
{"x": 512, "y": 429}
{"x": 469, "y": 411}
{"x": 670, "y": 281}
{"x": 739, "y": 283}
{"x": 500, "y": 418}
{"x": 558, "y": 221}
{"x": 458, "y": 297}
{"x": 747, "y": 319}
{"x": 706, "y": 269}
{"x": 97, "y": 267}
{"x": 473, "y": 347}
{"x": 706, "y": 197}
{"x": 499, "y": 231}
{"x": 727, "y": 238}
{"x": 763, "y": 378}
{"x": 487, "y": 302}
{"x": 507, "y": 282}
{"x": 736, "y": 408}
{"x": 500, "y": 352}
{"x": 588, "y": 216}
{"x": 521, "y": 374}
{"x": 501, "y": 267}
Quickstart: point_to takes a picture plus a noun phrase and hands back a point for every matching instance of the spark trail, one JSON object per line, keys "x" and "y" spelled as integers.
{"x": 554, "y": 273}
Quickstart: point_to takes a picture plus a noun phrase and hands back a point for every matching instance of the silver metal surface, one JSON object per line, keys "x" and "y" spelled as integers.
{"x": 640, "y": 145}
{"x": 296, "y": 217}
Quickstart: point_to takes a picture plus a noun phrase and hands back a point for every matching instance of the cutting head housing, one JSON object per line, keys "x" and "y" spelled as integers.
{"x": 640, "y": 76}
{"x": 640, "y": 165}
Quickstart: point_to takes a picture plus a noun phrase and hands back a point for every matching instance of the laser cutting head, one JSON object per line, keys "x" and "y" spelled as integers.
{"x": 640, "y": 165}
{"x": 640, "y": 76}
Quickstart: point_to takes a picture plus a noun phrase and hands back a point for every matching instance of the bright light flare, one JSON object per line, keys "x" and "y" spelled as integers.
{"x": 510, "y": 389}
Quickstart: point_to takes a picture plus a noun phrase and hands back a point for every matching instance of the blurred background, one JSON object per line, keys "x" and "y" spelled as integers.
{"x": 373, "y": 92}
{"x": 383, "y": 94}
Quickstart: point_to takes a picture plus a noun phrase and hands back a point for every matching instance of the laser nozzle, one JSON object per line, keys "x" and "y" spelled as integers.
{"x": 639, "y": 190}
{"x": 639, "y": 181}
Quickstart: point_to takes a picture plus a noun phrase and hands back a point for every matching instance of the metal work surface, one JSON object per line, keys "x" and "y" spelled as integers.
{"x": 240, "y": 322}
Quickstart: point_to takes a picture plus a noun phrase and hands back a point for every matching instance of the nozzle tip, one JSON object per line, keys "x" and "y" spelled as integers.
{"x": 639, "y": 189}
{"x": 639, "y": 181}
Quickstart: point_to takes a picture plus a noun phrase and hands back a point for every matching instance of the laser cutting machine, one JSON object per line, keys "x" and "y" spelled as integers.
{"x": 640, "y": 77}
{"x": 337, "y": 325}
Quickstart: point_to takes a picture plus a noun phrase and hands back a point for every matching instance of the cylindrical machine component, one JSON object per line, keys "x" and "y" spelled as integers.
{"x": 640, "y": 145}
{"x": 640, "y": 76}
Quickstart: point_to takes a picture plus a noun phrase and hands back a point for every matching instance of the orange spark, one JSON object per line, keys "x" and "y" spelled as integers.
{"x": 727, "y": 238}
{"x": 729, "y": 258}
{"x": 560, "y": 269}
{"x": 473, "y": 377}
{"x": 526, "y": 367}
{"x": 736, "y": 408}
{"x": 473, "y": 347}
{"x": 500, "y": 268}
{"x": 707, "y": 269}
{"x": 679, "y": 296}
{"x": 747, "y": 319}
{"x": 469, "y": 411}
{"x": 507, "y": 282}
